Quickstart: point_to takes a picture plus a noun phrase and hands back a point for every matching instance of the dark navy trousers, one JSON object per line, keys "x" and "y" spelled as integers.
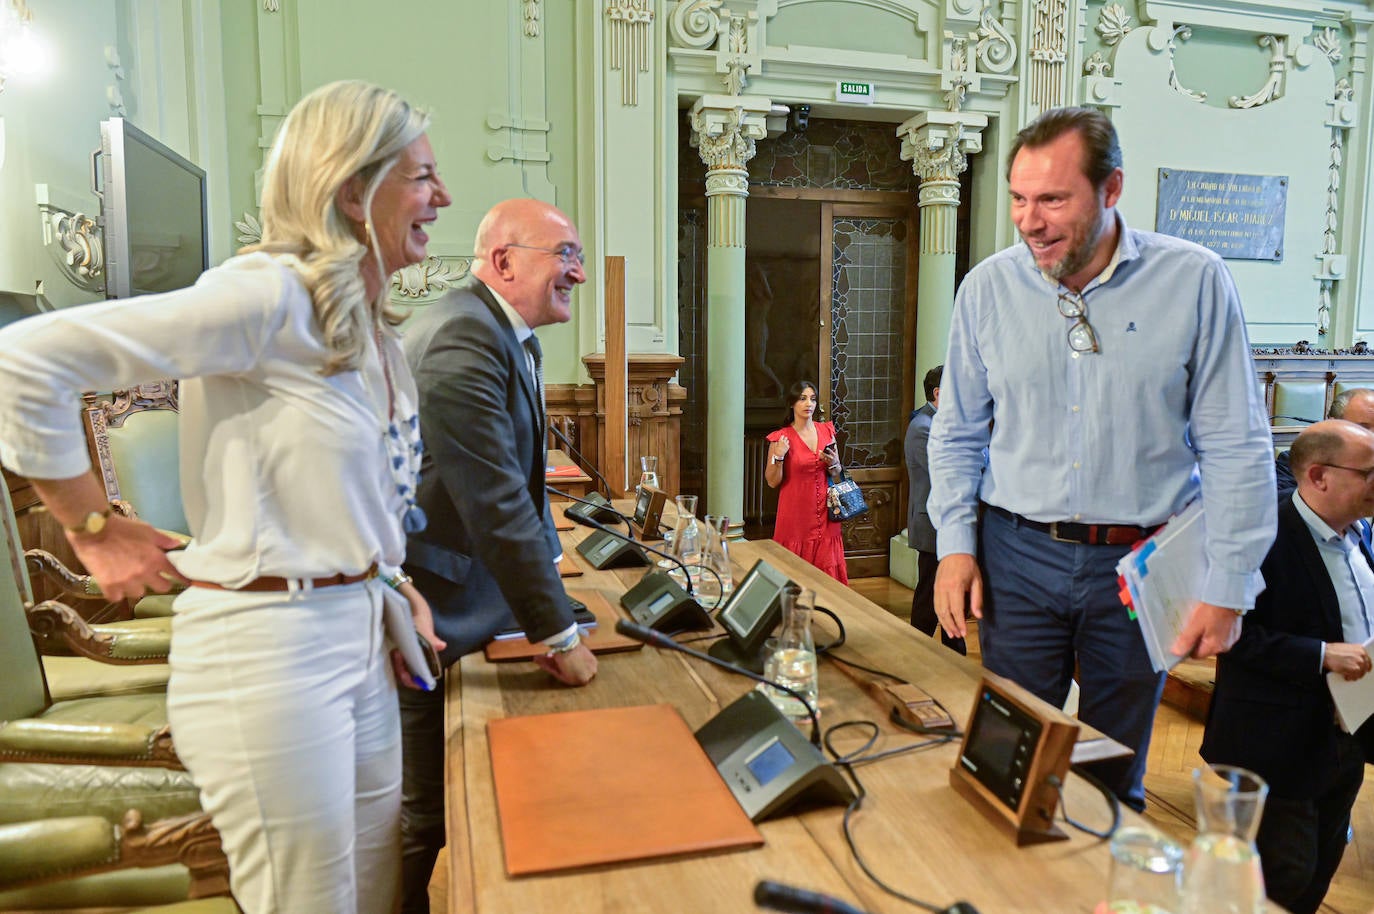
{"x": 1050, "y": 608}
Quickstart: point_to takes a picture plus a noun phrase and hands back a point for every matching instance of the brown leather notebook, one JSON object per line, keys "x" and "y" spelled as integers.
{"x": 571, "y": 790}
{"x": 602, "y": 640}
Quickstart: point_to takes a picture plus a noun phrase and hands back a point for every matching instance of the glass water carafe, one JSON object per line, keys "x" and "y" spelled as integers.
{"x": 687, "y": 540}
{"x": 716, "y": 581}
{"x": 792, "y": 661}
{"x": 1221, "y": 874}
{"x": 648, "y": 474}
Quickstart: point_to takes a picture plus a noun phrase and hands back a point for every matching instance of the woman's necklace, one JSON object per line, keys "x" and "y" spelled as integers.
{"x": 403, "y": 448}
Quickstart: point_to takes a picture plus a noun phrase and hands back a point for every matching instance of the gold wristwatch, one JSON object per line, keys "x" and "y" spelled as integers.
{"x": 92, "y": 523}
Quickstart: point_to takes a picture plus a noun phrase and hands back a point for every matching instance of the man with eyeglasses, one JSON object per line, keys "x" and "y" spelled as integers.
{"x": 487, "y": 559}
{"x": 1114, "y": 368}
{"x": 1271, "y": 711}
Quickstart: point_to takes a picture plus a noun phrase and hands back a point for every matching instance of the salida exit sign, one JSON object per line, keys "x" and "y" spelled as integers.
{"x": 852, "y": 91}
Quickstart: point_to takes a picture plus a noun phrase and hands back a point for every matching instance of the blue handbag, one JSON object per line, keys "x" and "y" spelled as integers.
{"x": 844, "y": 500}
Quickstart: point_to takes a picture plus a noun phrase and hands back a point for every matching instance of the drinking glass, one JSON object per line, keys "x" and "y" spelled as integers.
{"x": 687, "y": 539}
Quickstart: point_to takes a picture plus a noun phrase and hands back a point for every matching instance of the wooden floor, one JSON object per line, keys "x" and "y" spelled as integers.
{"x": 1168, "y": 784}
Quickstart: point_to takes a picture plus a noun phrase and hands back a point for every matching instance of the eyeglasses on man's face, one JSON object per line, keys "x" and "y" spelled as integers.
{"x": 1081, "y": 335}
{"x": 1366, "y": 472}
{"x": 565, "y": 252}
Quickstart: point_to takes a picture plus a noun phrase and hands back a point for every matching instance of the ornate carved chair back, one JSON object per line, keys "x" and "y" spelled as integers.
{"x": 25, "y": 692}
{"x": 132, "y": 437}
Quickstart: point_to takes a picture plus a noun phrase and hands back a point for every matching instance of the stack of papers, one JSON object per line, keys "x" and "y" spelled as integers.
{"x": 1354, "y": 700}
{"x": 1161, "y": 581}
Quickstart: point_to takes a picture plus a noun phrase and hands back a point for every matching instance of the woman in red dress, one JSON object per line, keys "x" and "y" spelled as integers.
{"x": 800, "y": 456}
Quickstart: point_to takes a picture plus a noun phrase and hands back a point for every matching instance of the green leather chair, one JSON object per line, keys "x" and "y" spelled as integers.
{"x": 87, "y": 861}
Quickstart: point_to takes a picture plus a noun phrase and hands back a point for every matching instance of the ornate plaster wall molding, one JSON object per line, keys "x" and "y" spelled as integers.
{"x": 271, "y": 6}
{"x": 1113, "y": 24}
{"x": 525, "y": 138}
{"x": 695, "y": 24}
{"x": 1331, "y": 263}
{"x": 249, "y": 230}
{"x": 1273, "y": 84}
{"x": 429, "y": 277}
{"x": 1048, "y": 52}
{"x": 74, "y": 242}
{"x": 531, "y": 13}
{"x": 629, "y": 44}
{"x": 996, "y": 47}
{"x": 1182, "y": 33}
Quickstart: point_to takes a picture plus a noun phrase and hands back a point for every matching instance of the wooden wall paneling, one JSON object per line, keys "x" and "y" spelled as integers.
{"x": 615, "y": 431}
{"x": 655, "y": 412}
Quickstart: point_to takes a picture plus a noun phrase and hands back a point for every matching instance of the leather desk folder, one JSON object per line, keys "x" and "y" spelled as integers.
{"x": 583, "y": 788}
{"x": 568, "y": 569}
{"x": 561, "y": 523}
{"x": 603, "y": 639}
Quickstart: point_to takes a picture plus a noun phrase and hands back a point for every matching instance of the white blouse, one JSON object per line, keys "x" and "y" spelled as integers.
{"x": 284, "y": 471}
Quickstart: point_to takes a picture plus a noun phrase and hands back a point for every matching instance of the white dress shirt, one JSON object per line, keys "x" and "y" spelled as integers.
{"x": 284, "y": 471}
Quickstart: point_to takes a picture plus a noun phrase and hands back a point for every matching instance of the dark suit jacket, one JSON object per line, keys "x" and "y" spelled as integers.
{"x": 1283, "y": 475}
{"x": 920, "y": 534}
{"x": 1271, "y": 711}
{"x": 486, "y": 559}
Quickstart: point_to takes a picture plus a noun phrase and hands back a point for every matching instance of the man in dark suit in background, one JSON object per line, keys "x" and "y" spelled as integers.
{"x": 1354, "y": 405}
{"x": 920, "y": 533}
{"x": 487, "y": 558}
{"x": 1272, "y": 712}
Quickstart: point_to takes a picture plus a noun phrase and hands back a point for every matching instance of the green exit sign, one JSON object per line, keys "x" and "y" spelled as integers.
{"x": 853, "y": 91}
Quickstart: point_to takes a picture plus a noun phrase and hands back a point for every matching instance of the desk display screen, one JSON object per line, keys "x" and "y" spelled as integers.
{"x": 659, "y": 602}
{"x": 606, "y": 548}
{"x": 769, "y": 762}
{"x": 1001, "y": 742}
{"x": 751, "y": 601}
{"x": 642, "y": 507}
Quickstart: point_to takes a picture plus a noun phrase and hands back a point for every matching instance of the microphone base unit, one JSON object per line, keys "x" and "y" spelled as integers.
{"x": 602, "y": 550}
{"x": 766, "y": 762}
{"x": 657, "y": 602}
{"x": 602, "y": 511}
{"x": 752, "y": 660}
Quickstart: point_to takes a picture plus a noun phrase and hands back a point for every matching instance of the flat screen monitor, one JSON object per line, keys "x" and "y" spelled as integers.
{"x": 152, "y": 213}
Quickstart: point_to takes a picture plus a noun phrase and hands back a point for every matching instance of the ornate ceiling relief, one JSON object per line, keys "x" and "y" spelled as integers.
{"x": 1048, "y": 49}
{"x": 629, "y": 44}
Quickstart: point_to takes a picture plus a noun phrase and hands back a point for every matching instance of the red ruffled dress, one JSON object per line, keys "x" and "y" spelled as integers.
{"x": 803, "y": 526}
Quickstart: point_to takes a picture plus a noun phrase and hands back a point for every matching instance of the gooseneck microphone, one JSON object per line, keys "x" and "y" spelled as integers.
{"x": 781, "y": 897}
{"x": 575, "y": 454}
{"x": 658, "y": 639}
{"x": 596, "y": 505}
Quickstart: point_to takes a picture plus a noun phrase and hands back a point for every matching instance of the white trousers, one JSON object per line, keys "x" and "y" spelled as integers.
{"x": 283, "y": 707}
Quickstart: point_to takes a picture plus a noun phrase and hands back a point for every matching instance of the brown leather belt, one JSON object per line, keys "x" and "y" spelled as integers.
{"x": 1083, "y": 534}
{"x": 270, "y": 584}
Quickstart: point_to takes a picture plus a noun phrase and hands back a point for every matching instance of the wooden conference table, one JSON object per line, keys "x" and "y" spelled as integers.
{"x": 913, "y": 830}
{"x": 565, "y": 474}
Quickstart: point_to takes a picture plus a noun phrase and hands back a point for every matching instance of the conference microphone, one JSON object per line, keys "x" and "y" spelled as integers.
{"x": 579, "y": 517}
{"x": 686, "y": 575}
{"x": 781, "y": 897}
{"x": 575, "y": 454}
{"x": 658, "y": 639}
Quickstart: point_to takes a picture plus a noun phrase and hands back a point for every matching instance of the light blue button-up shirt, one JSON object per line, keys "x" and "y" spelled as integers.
{"x": 1350, "y": 574}
{"x": 1169, "y": 408}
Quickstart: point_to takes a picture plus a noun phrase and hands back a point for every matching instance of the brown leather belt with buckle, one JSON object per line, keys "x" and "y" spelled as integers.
{"x": 1084, "y": 534}
{"x": 271, "y": 584}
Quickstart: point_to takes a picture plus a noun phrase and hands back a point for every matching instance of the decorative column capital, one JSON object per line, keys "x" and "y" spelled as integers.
{"x": 938, "y": 143}
{"x": 725, "y": 129}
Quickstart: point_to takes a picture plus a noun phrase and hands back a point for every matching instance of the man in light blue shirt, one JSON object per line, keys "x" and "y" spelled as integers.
{"x": 1108, "y": 373}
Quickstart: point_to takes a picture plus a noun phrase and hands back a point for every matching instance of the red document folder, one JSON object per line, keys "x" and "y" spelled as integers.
{"x": 564, "y": 800}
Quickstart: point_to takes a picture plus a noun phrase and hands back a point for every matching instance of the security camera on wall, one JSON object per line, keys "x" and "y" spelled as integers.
{"x": 801, "y": 117}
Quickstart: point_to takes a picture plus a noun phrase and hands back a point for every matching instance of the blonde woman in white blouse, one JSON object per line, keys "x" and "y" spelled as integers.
{"x": 299, "y": 450}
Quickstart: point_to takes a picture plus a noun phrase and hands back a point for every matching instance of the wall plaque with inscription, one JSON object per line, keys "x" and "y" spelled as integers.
{"x": 1238, "y": 216}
